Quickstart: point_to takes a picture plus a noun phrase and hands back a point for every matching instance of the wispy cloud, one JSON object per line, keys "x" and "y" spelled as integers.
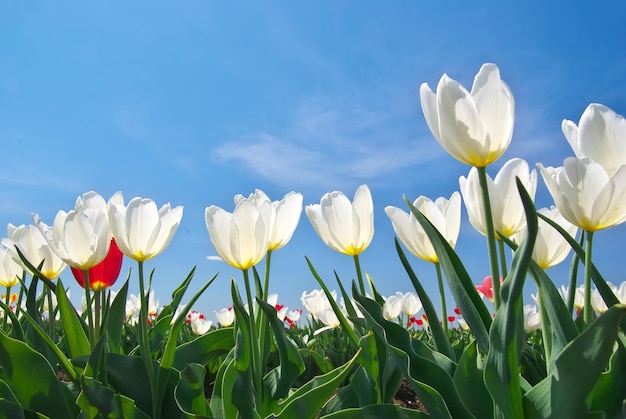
{"x": 327, "y": 144}
{"x": 214, "y": 258}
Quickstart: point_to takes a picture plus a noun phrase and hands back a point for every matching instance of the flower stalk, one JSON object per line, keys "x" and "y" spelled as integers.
{"x": 588, "y": 310}
{"x": 491, "y": 239}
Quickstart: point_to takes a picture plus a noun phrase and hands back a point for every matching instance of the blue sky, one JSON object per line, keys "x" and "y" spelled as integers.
{"x": 192, "y": 102}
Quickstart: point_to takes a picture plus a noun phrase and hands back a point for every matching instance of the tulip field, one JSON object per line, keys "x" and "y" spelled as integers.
{"x": 350, "y": 352}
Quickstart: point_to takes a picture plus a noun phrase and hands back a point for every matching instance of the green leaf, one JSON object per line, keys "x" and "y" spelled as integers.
{"x": 221, "y": 405}
{"x": 461, "y": 286}
{"x": 603, "y": 288}
{"x": 468, "y": 379}
{"x": 577, "y": 370}
{"x": 432, "y": 384}
{"x": 507, "y": 331}
{"x": 9, "y": 405}
{"x": 441, "y": 340}
{"x": 609, "y": 394}
{"x": 189, "y": 392}
{"x": 74, "y": 328}
{"x": 33, "y": 382}
{"x": 377, "y": 411}
{"x": 108, "y": 403}
{"x": 243, "y": 391}
{"x": 281, "y": 379}
{"x": 308, "y": 399}
{"x": 114, "y": 320}
{"x": 204, "y": 348}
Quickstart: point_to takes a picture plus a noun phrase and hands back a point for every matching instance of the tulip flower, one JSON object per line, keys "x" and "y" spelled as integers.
{"x": 550, "y": 248}
{"x": 141, "y": 230}
{"x": 532, "y": 319}
{"x": 486, "y": 288}
{"x": 506, "y": 204}
{"x": 225, "y": 317}
{"x": 444, "y": 214}
{"x": 392, "y": 307}
{"x": 199, "y": 325}
{"x": 474, "y": 127}
{"x": 284, "y": 218}
{"x": 35, "y": 248}
{"x": 344, "y": 226}
{"x": 410, "y": 304}
{"x": 82, "y": 236}
{"x": 10, "y": 270}
{"x": 104, "y": 274}
{"x": 316, "y": 301}
{"x": 586, "y": 195}
{"x": 600, "y": 135}
{"x": 241, "y": 238}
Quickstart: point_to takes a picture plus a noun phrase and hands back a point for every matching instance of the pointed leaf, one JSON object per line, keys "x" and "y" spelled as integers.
{"x": 189, "y": 392}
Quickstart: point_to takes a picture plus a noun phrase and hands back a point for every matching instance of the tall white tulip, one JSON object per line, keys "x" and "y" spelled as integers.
{"x": 35, "y": 249}
{"x": 600, "y": 135}
{"x": 344, "y": 226}
{"x": 444, "y": 214}
{"x": 550, "y": 247}
{"x": 284, "y": 218}
{"x": 241, "y": 238}
{"x": 474, "y": 127}
{"x": 10, "y": 270}
{"x": 506, "y": 204}
{"x": 393, "y": 306}
{"x": 82, "y": 236}
{"x": 141, "y": 230}
{"x": 585, "y": 194}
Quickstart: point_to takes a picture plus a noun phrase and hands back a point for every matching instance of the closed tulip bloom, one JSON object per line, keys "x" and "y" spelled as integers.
{"x": 393, "y": 306}
{"x": 474, "y": 127}
{"x": 506, "y": 204}
{"x": 344, "y": 226}
{"x": 10, "y": 270}
{"x": 316, "y": 301}
{"x": 241, "y": 238}
{"x": 444, "y": 214}
{"x": 141, "y": 230}
{"x": 225, "y": 317}
{"x": 550, "y": 247}
{"x": 586, "y": 195}
{"x": 600, "y": 135}
{"x": 285, "y": 215}
{"x": 80, "y": 237}
{"x": 532, "y": 319}
{"x": 35, "y": 249}
{"x": 410, "y": 304}
{"x": 105, "y": 273}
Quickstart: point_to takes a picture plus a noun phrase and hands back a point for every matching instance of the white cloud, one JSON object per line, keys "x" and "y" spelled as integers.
{"x": 214, "y": 258}
{"x": 328, "y": 145}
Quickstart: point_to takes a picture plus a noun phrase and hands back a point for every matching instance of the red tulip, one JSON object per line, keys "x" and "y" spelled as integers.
{"x": 104, "y": 274}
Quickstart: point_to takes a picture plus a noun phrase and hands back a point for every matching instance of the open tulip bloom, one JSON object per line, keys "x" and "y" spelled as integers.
{"x": 284, "y": 219}
{"x": 347, "y": 227}
{"x": 588, "y": 197}
{"x": 445, "y": 215}
{"x": 600, "y": 135}
{"x": 474, "y": 127}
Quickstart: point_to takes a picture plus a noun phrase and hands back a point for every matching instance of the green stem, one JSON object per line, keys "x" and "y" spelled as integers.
{"x": 266, "y": 284}
{"x": 7, "y": 301}
{"x": 144, "y": 343}
{"x": 98, "y": 309}
{"x": 573, "y": 275}
{"x": 257, "y": 371}
{"x": 442, "y": 295}
{"x": 502, "y": 258}
{"x": 92, "y": 338}
{"x": 359, "y": 276}
{"x": 588, "y": 310}
{"x": 50, "y": 315}
{"x": 491, "y": 237}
